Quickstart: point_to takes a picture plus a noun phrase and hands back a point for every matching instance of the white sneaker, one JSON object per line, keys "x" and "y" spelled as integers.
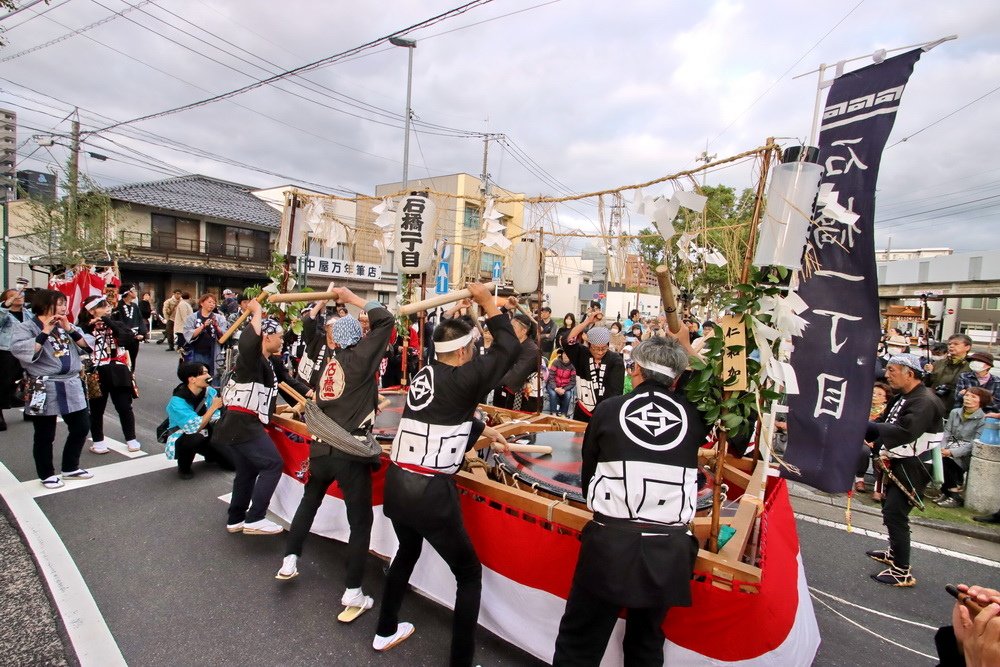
{"x": 78, "y": 474}
{"x": 235, "y": 527}
{"x": 134, "y": 446}
{"x": 262, "y": 527}
{"x": 353, "y": 597}
{"x": 403, "y": 632}
{"x": 52, "y": 482}
{"x": 288, "y": 569}
{"x": 100, "y": 447}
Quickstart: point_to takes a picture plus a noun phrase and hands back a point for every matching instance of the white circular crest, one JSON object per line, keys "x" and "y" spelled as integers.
{"x": 654, "y": 421}
{"x": 421, "y": 391}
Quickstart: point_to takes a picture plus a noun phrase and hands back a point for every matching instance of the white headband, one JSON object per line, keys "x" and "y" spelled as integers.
{"x": 452, "y": 345}
{"x": 656, "y": 368}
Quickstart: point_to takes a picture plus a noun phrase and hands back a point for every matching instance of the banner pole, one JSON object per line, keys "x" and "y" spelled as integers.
{"x": 817, "y": 107}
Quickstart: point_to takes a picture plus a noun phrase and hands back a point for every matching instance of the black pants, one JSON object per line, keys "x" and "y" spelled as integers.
{"x": 355, "y": 480}
{"x": 896, "y": 507}
{"x": 503, "y": 398}
{"x": 168, "y": 334}
{"x": 45, "y": 434}
{"x": 427, "y": 508}
{"x": 122, "y": 399}
{"x": 588, "y": 623}
{"x": 953, "y": 475}
{"x": 258, "y": 470}
{"x": 133, "y": 351}
{"x": 195, "y": 443}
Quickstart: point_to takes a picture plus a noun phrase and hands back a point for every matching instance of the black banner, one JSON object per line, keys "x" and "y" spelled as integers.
{"x": 834, "y": 360}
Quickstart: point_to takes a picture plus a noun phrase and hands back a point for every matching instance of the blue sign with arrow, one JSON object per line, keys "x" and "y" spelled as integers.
{"x": 497, "y": 269}
{"x": 441, "y": 282}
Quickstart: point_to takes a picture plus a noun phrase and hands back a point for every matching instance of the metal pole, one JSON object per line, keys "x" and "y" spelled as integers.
{"x": 409, "y": 45}
{"x": 6, "y": 244}
{"x": 74, "y": 176}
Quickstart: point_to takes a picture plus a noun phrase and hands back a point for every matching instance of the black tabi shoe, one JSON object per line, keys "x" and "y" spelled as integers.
{"x": 989, "y": 518}
{"x": 900, "y": 577}
{"x": 881, "y": 555}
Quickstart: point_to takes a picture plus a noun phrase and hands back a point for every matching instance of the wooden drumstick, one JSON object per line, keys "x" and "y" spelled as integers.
{"x": 529, "y": 449}
{"x": 299, "y": 398}
{"x": 261, "y": 298}
{"x": 667, "y": 294}
{"x": 440, "y": 300}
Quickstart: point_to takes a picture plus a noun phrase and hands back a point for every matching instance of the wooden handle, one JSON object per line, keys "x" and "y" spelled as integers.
{"x": 667, "y": 294}
{"x": 291, "y": 392}
{"x": 261, "y": 298}
{"x": 439, "y": 300}
{"x": 292, "y": 297}
{"x": 530, "y": 449}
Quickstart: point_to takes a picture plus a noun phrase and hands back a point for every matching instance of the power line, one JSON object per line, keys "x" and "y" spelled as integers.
{"x": 946, "y": 116}
{"x": 931, "y": 210}
{"x": 307, "y": 67}
{"x": 35, "y": 14}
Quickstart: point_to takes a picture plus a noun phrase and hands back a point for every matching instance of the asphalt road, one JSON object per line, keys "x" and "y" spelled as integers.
{"x": 175, "y": 589}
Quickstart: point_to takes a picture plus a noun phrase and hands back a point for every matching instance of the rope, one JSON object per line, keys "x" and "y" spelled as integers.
{"x": 872, "y": 632}
{"x": 871, "y": 611}
{"x": 847, "y": 511}
{"x": 687, "y": 173}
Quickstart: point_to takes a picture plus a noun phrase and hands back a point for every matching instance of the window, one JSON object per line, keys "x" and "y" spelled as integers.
{"x": 226, "y": 241}
{"x": 973, "y": 302}
{"x": 551, "y": 281}
{"x": 487, "y": 261}
{"x": 992, "y": 303}
{"x": 172, "y": 233}
{"x": 569, "y": 281}
{"x": 471, "y": 218}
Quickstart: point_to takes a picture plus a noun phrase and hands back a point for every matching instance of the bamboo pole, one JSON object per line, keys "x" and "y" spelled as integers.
{"x": 261, "y": 298}
{"x": 667, "y": 295}
{"x": 765, "y": 167}
{"x": 713, "y": 535}
{"x": 293, "y": 297}
{"x": 440, "y": 300}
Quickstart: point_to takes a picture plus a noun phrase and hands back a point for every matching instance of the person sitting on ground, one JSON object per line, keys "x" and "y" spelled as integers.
{"x": 561, "y": 385}
{"x": 881, "y": 394}
{"x": 979, "y": 375}
{"x": 963, "y": 426}
{"x": 192, "y": 412}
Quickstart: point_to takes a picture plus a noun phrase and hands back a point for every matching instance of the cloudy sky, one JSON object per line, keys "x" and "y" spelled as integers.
{"x": 588, "y": 95}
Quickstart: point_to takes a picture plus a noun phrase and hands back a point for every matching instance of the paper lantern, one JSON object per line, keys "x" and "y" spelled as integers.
{"x": 414, "y": 237}
{"x": 789, "y": 211}
{"x": 524, "y": 265}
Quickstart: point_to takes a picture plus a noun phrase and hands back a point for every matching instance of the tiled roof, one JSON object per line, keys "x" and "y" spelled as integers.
{"x": 200, "y": 195}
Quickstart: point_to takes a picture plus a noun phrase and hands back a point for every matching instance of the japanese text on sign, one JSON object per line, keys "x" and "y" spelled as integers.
{"x": 734, "y": 361}
{"x": 339, "y": 268}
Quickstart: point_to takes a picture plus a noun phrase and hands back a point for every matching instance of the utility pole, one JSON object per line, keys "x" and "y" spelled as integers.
{"x": 476, "y": 255}
{"x": 74, "y": 175}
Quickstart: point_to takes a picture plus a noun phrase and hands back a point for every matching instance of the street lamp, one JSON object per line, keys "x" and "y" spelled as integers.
{"x": 409, "y": 45}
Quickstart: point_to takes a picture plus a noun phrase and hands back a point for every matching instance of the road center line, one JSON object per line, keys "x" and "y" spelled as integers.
{"x": 88, "y": 632}
{"x": 882, "y": 536}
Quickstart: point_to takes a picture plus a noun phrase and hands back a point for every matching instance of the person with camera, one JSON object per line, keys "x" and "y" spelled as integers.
{"x": 48, "y": 347}
{"x": 12, "y": 312}
{"x": 202, "y": 330}
{"x": 191, "y": 415}
{"x": 130, "y": 314}
{"x": 943, "y": 375}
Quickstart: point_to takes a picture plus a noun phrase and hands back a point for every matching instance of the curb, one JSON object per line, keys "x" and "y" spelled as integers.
{"x": 986, "y": 534}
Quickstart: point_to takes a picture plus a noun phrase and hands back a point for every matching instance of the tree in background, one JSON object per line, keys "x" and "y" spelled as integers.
{"x": 724, "y": 226}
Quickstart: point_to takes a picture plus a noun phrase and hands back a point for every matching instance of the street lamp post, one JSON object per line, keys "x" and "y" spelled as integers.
{"x": 409, "y": 45}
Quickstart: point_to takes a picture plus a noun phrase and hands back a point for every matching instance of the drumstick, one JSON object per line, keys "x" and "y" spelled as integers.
{"x": 667, "y": 294}
{"x": 440, "y": 300}
{"x": 292, "y": 297}
{"x": 529, "y": 449}
{"x": 261, "y": 298}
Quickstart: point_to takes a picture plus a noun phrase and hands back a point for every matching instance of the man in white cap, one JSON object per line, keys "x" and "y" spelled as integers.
{"x": 911, "y": 428}
{"x": 347, "y": 392}
{"x": 600, "y": 373}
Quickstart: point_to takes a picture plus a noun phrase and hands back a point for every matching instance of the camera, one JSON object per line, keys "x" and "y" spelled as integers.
{"x": 942, "y": 390}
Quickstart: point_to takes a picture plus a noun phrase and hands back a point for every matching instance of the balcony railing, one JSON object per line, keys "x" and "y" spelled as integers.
{"x": 169, "y": 245}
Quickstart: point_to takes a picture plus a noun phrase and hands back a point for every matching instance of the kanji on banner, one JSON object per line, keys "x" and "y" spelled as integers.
{"x": 835, "y": 358}
{"x": 415, "y": 226}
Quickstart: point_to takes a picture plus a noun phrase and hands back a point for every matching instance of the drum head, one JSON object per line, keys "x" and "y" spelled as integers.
{"x": 558, "y": 473}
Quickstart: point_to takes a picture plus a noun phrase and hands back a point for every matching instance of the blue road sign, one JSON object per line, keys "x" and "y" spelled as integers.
{"x": 497, "y": 268}
{"x": 441, "y": 283}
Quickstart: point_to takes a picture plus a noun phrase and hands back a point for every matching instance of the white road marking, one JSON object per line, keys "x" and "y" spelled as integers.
{"x": 882, "y": 536}
{"x": 88, "y": 632}
{"x": 872, "y": 632}
{"x": 122, "y": 448}
{"x": 103, "y": 474}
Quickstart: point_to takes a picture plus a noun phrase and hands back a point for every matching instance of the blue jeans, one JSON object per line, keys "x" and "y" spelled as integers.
{"x": 560, "y": 405}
